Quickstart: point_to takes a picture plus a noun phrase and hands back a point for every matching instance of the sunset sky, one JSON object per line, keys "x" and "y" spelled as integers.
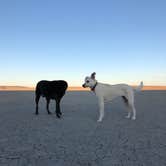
{"x": 121, "y": 40}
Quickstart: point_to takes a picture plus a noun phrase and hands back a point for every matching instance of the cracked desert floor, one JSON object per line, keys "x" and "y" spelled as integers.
{"x": 77, "y": 139}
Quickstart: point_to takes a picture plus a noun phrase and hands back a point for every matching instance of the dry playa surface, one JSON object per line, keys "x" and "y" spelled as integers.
{"x": 77, "y": 139}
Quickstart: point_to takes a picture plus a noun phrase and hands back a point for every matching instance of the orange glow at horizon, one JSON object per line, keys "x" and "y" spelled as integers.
{"x": 71, "y": 88}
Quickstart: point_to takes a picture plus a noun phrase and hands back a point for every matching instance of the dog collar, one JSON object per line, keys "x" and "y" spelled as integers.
{"x": 93, "y": 88}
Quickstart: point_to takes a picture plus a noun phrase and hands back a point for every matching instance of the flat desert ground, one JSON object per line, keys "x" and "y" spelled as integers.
{"x": 77, "y": 139}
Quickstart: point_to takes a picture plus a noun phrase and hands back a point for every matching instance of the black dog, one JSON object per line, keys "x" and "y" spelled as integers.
{"x": 51, "y": 90}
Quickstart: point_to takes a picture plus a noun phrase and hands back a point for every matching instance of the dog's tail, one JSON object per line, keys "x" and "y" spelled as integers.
{"x": 139, "y": 87}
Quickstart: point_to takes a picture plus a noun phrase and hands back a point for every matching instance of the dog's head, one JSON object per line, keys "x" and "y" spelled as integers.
{"x": 90, "y": 81}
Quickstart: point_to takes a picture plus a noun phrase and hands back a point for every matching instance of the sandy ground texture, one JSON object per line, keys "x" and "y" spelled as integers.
{"x": 77, "y": 139}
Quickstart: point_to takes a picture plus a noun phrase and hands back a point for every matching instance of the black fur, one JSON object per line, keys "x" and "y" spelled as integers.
{"x": 125, "y": 100}
{"x": 51, "y": 90}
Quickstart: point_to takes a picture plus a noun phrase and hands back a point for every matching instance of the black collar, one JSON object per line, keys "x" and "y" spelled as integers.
{"x": 93, "y": 88}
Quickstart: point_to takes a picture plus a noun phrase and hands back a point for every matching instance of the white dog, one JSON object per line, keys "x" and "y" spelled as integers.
{"x": 109, "y": 92}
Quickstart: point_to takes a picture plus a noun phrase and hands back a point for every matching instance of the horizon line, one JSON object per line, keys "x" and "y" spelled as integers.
{"x": 73, "y": 88}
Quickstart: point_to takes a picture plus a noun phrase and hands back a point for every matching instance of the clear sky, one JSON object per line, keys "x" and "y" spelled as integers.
{"x": 121, "y": 40}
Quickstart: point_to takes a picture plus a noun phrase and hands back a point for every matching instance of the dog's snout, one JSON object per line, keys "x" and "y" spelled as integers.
{"x": 83, "y": 85}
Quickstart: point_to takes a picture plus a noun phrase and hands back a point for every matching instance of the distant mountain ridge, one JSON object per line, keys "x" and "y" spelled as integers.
{"x": 24, "y": 88}
{"x": 72, "y": 88}
{"x": 8, "y": 88}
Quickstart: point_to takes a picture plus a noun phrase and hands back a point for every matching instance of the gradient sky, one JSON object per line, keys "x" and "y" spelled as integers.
{"x": 122, "y": 40}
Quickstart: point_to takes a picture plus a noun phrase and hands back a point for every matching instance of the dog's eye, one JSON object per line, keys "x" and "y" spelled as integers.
{"x": 87, "y": 81}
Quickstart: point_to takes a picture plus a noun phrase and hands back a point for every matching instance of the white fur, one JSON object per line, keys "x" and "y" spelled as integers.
{"x": 109, "y": 92}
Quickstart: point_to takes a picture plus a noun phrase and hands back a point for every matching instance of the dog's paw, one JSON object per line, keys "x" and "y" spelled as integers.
{"x": 99, "y": 120}
{"x": 128, "y": 116}
{"x": 58, "y": 116}
{"x": 133, "y": 118}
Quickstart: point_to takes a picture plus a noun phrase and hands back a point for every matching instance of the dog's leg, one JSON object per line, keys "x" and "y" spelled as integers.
{"x": 134, "y": 112}
{"x": 132, "y": 107}
{"x": 58, "y": 111}
{"x": 47, "y": 106}
{"x": 101, "y": 109}
{"x": 129, "y": 113}
{"x": 37, "y": 102}
{"x": 127, "y": 105}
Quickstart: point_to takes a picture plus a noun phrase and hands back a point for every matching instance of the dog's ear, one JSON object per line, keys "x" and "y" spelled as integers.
{"x": 93, "y": 75}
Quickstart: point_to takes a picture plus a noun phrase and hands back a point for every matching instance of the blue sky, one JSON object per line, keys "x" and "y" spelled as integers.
{"x": 123, "y": 41}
